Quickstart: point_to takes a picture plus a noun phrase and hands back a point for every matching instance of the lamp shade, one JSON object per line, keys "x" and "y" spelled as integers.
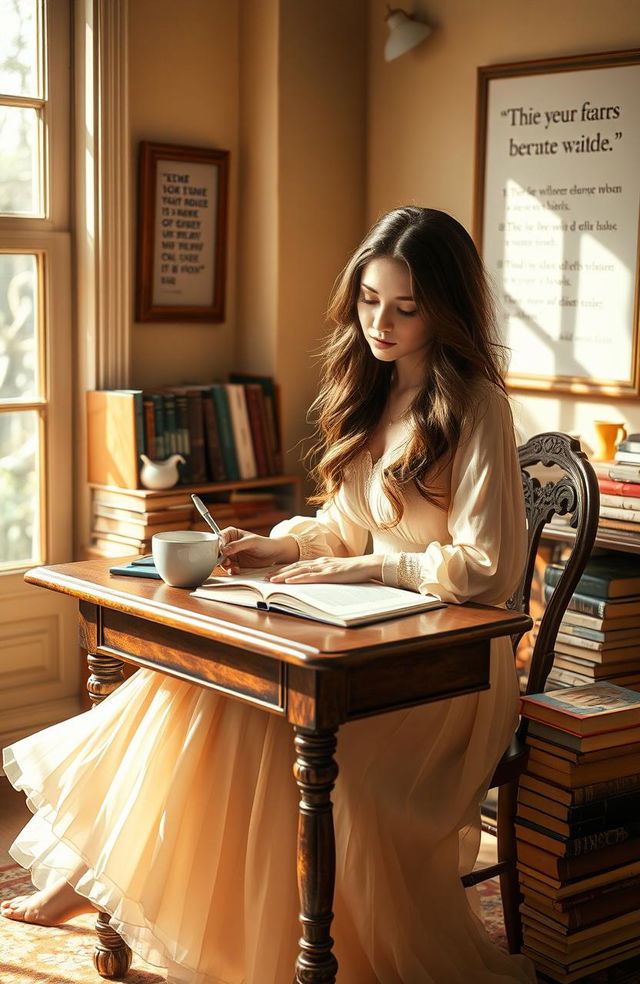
{"x": 404, "y": 33}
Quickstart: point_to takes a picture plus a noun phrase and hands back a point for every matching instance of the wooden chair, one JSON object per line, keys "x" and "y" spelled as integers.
{"x": 572, "y": 490}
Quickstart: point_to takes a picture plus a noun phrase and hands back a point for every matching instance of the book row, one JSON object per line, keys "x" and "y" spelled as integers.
{"x": 619, "y": 483}
{"x": 577, "y": 830}
{"x": 224, "y": 431}
{"x": 599, "y": 635}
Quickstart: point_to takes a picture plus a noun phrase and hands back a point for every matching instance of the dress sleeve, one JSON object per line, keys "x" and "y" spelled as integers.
{"x": 485, "y": 558}
{"x": 329, "y": 534}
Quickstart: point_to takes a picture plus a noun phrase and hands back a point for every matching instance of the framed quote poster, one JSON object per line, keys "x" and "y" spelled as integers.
{"x": 557, "y": 204}
{"x": 182, "y": 223}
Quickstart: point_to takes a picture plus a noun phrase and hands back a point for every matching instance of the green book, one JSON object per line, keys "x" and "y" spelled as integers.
{"x": 601, "y": 608}
{"x": 610, "y": 575}
{"x": 225, "y": 430}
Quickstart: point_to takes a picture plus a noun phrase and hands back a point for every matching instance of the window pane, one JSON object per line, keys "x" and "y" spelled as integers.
{"x": 19, "y": 48}
{"x": 19, "y": 161}
{"x": 19, "y": 492}
{"x": 18, "y": 327}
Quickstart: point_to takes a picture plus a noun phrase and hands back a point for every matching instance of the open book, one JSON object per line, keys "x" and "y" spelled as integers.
{"x": 337, "y": 604}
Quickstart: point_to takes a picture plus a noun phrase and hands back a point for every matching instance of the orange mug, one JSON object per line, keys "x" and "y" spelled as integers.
{"x": 608, "y": 436}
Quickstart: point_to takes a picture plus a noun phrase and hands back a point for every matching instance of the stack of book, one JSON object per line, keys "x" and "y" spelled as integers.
{"x": 599, "y": 636}
{"x": 125, "y": 520}
{"x": 225, "y": 431}
{"x": 619, "y": 482}
{"x": 578, "y": 830}
{"x": 124, "y": 523}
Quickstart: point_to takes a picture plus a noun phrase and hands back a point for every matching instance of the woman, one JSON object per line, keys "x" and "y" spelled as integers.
{"x": 185, "y": 831}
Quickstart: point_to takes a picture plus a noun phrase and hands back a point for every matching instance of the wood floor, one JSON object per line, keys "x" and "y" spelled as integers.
{"x": 14, "y": 813}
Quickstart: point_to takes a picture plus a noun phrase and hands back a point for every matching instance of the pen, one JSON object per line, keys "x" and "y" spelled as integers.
{"x": 206, "y": 515}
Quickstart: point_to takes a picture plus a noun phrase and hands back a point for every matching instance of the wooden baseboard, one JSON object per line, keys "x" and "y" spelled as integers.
{"x": 22, "y": 721}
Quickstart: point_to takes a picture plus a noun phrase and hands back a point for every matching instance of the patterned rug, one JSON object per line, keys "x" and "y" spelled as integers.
{"x": 63, "y": 955}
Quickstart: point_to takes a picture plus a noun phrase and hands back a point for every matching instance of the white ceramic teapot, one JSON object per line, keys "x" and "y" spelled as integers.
{"x": 160, "y": 474}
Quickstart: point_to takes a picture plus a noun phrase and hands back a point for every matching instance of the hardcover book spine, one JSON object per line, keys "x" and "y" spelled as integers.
{"x": 253, "y": 396}
{"x": 581, "y": 603}
{"x": 241, "y": 430}
{"x": 149, "y": 428}
{"x": 608, "y": 812}
{"x": 221, "y": 403}
{"x": 624, "y": 502}
{"x": 112, "y": 440}
{"x": 198, "y": 469}
{"x": 158, "y": 415}
{"x": 213, "y": 447}
{"x": 588, "y": 584}
{"x": 617, "y": 488}
{"x": 182, "y": 425}
{"x": 628, "y": 458}
{"x": 139, "y": 409}
{"x": 627, "y": 515}
{"x": 625, "y": 473}
{"x": 170, "y": 425}
{"x": 270, "y": 394}
{"x": 608, "y": 787}
{"x": 574, "y": 831}
{"x": 612, "y": 640}
{"x": 577, "y": 846}
{"x": 568, "y": 869}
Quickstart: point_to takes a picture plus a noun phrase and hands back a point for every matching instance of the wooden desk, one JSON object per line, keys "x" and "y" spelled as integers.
{"x": 317, "y": 677}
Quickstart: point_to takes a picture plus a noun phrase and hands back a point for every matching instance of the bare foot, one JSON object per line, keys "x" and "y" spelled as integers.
{"x": 51, "y": 907}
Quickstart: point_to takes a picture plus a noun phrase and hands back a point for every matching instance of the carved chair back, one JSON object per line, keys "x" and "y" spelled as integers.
{"x": 571, "y": 490}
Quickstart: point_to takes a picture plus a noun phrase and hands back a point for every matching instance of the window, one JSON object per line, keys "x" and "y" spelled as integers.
{"x": 30, "y": 252}
{"x": 23, "y": 108}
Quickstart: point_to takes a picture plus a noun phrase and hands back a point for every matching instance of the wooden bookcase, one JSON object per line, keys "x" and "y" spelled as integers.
{"x": 607, "y": 538}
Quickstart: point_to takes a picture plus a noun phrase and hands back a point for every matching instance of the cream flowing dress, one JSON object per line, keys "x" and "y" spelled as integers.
{"x": 175, "y": 809}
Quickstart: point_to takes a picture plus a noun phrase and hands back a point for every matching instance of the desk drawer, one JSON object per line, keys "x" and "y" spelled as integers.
{"x": 231, "y": 671}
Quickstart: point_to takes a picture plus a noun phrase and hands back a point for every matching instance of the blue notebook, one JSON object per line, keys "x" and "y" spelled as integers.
{"x": 140, "y": 567}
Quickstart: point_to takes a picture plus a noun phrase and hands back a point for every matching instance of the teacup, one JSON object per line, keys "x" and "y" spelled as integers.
{"x": 608, "y": 435}
{"x": 185, "y": 558}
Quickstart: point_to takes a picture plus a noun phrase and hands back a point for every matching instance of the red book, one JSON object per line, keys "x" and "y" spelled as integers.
{"x": 254, "y": 398}
{"x": 612, "y": 487}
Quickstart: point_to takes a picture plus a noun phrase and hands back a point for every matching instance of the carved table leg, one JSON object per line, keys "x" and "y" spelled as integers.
{"x": 105, "y": 676}
{"x": 315, "y": 771}
{"x": 112, "y": 956}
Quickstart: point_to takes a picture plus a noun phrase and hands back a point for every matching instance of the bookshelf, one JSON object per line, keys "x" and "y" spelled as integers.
{"x": 228, "y": 436}
{"x": 608, "y": 538}
{"x": 226, "y": 432}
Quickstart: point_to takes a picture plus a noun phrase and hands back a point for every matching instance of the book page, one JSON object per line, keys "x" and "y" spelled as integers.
{"x": 338, "y": 599}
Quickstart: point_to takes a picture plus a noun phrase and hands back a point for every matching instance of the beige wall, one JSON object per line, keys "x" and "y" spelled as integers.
{"x": 183, "y": 81}
{"x": 421, "y": 112}
{"x": 302, "y": 194}
{"x": 282, "y": 85}
{"x": 324, "y": 136}
{"x": 321, "y": 191}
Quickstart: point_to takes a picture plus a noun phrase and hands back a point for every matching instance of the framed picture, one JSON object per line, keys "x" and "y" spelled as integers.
{"x": 557, "y": 203}
{"x": 182, "y": 233}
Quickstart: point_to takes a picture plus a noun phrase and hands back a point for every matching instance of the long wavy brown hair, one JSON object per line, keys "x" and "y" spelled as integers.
{"x": 452, "y": 294}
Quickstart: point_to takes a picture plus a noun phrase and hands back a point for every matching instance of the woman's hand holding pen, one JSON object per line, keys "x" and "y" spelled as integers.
{"x": 243, "y": 549}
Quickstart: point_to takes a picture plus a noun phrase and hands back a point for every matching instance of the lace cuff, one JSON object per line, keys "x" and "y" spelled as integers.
{"x": 305, "y": 545}
{"x": 402, "y": 570}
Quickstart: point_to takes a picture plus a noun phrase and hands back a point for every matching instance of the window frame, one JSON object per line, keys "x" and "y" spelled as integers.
{"x": 48, "y": 237}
